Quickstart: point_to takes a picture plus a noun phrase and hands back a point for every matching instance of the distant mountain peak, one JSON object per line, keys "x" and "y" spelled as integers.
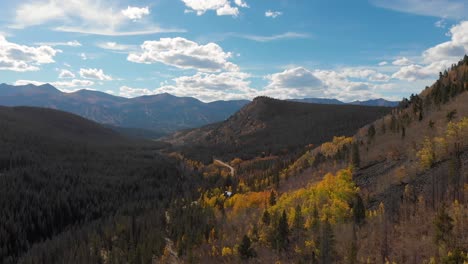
{"x": 160, "y": 112}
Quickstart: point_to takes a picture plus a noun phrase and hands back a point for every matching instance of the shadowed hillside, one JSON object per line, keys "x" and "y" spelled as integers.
{"x": 269, "y": 126}
{"x": 56, "y": 125}
{"x": 61, "y": 173}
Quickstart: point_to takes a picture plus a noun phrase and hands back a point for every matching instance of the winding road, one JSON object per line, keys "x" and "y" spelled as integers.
{"x": 220, "y": 162}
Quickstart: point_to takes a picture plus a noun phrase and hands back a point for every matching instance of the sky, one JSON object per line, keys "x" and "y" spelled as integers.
{"x": 233, "y": 49}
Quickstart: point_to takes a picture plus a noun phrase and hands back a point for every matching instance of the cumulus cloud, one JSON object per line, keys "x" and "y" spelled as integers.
{"x": 136, "y": 13}
{"x": 21, "y": 58}
{"x": 97, "y": 74}
{"x": 403, "y": 61}
{"x": 227, "y": 10}
{"x": 383, "y": 63}
{"x": 85, "y": 16}
{"x": 184, "y": 54}
{"x": 439, "y": 57}
{"x": 222, "y": 7}
{"x": 345, "y": 84}
{"x": 130, "y": 92}
{"x": 211, "y": 87}
{"x": 273, "y": 14}
{"x": 363, "y": 73}
{"x": 65, "y": 74}
{"x": 296, "y": 78}
{"x": 241, "y": 3}
{"x": 416, "y": 72}
{"x": 451, "y": 50}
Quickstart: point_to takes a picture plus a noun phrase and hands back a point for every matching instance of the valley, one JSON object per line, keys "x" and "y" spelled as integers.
{"x": 233, "y": 131}
{"x": 387, "y": 187}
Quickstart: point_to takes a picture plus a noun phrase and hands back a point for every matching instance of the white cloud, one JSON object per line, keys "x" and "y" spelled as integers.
{"x": 345, "y": 84}
{"x": 452, "y": 50}
{"x": 295, "y": 83}
{"x": 64, "y": 74}
{"x": 383, "y": 63}
{"x": 416, "y": 72}
{"x": 184, "y": 54}
{"x": 73, "y": 43}
{"x": 21, "y": 58}
{"x": 211, "y": 87}
{"x": 130, "y": 92}
{"x": 222, "y": 7}
{"x": 287, "y": 35}
{"x": 296, "y": 78}
{"x": 135, "y": 13}
{"x": 241, "y": 3}
{"x": 73, "y": 83}
{"x": 84, "y": 16}
{"x": 273, "y": 14}
{"x": 454, "y": 9}
{"x": 440, "y": 23}
{"x": 115, "y": 46}
{"x": 439, "y": 57}
{"x": 227, "y": 10}
{"x": 379, "y": 77}
{"x": 97, "y": 74}
{"x": 26, "y": 82}
{"x": 403, "y": 61}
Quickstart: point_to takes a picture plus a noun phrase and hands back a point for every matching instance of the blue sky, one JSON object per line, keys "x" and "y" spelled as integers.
{"x": 233, "y": 49}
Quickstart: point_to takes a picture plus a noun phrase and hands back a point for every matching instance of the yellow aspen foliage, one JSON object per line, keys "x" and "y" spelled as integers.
{"x": 248, "y": 200}
{"x": 332, "y": 197}
{"x": 236, "y": 162}
{"x": 329, "y": 149}
{"x": 426, "y": 155}
{"x": 226, "y": 252}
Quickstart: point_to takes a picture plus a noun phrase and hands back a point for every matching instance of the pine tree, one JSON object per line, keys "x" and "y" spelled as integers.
{"x": 272, "y": 199}
{"x": 359, "y": 211}
{"x": 245, "y": 248}
{"x": 282, "y": 233}
{"x": 266, "y": 218}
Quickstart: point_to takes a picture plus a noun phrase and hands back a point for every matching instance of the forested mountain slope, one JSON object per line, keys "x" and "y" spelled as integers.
{"x": 395, "y": 192}
{"x": 270, "y": 126}
{"x": 66, "y": 181}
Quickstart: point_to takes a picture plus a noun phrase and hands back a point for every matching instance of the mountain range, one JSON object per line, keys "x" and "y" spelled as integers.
{"x": 371, "y": 102}
{"x": 147, "y": 116}
{"x": 162, "y": 112}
